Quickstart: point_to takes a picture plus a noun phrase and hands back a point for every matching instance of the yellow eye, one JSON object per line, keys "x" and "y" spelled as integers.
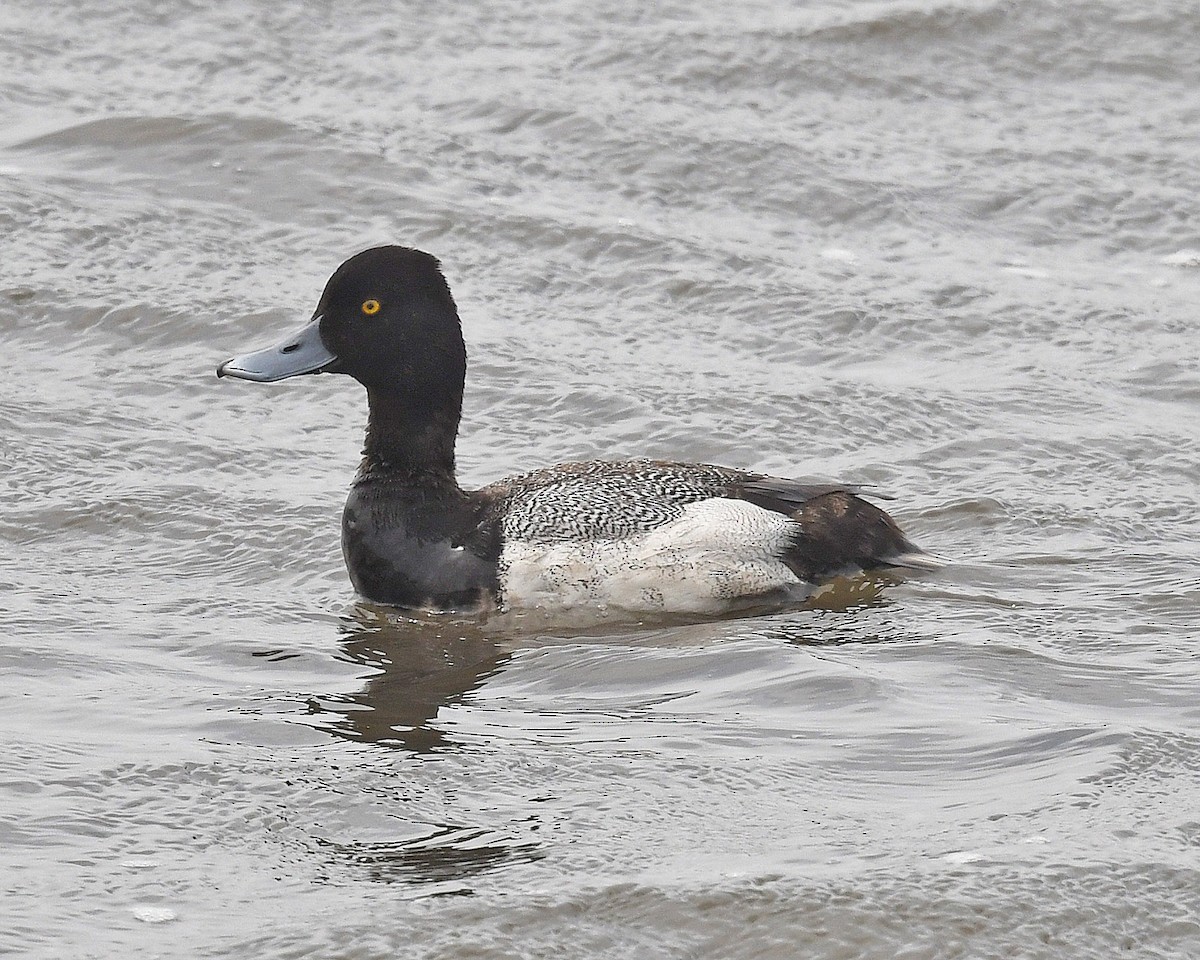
{"x": 370, "y": 307}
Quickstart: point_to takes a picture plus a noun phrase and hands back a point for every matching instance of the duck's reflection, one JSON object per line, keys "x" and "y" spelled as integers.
{"x": 425, "y": 663}
{"x": 420, "y": 665}
{"x": 448, "y": 857}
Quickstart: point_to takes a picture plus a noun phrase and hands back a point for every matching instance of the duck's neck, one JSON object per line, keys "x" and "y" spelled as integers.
{"x": 410, "y": 441}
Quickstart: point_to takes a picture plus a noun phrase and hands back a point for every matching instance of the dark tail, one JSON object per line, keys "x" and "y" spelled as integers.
{"x": 841, "y": 532}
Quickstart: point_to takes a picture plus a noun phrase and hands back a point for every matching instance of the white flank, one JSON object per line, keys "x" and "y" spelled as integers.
{"x": 717, "y": 552}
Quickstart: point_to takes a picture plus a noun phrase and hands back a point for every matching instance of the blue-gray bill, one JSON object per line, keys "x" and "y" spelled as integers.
{"x": 303, "y": 352}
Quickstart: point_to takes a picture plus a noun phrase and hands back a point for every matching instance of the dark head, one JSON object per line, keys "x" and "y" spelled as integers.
{"x": 387, "y": 319}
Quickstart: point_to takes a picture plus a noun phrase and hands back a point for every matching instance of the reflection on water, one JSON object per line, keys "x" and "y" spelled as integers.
{"x": 430, "y": 661}
{"x": 425, "y": 664}
{"x": 451, "y": 854}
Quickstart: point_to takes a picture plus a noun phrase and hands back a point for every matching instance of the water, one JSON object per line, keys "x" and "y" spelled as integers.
{"x": 944, "y": 248}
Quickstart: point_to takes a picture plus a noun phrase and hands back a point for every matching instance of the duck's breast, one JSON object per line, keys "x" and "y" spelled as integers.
{"x": 429, "y": 553}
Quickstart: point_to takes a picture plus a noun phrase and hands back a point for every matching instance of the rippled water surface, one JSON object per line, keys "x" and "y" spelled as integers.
{"x": 950, "y": 249}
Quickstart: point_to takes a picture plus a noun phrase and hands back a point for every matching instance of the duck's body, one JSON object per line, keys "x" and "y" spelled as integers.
{"x": 639, "y": 535}
{"x": 636, "y": 535}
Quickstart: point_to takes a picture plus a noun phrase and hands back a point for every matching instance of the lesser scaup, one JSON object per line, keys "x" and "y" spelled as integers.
{"x": 640, "y": 535}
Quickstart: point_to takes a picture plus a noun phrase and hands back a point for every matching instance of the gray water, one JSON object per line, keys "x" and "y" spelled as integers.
{"x": 949, "y": 249}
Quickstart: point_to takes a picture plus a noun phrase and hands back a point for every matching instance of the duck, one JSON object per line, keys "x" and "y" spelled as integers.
{"x": 639, "y": 535}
